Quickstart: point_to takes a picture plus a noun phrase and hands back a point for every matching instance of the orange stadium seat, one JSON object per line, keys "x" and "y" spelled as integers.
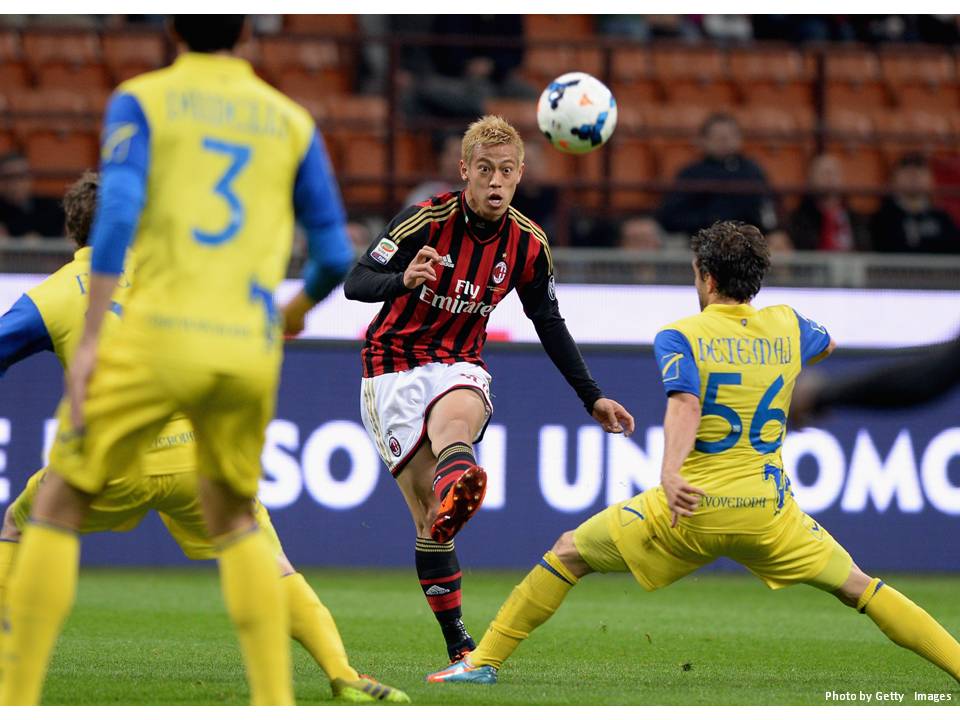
{"x": 568, "y": 27}
{"x": 306, "y": 68}
{"x": 521, "y": 113}
{"x": 913, "y": 130}
{"x": 773, "y": 77}
{"x": 321, "y": 24}
{"x": 849, "y": 124}
{"x": 921, "y": 80}
{"x": 13, "y": 71}
{"x": 54, "y": 109}
{"x": 59, "y": 156}
{"x": 683, "y": 119}
{"x": 673, "y": 155}
{"x": 543, "y": 64}
{"x": 632, "y": 160}
{"x": 634, "y": 83}
{"x": 129, "y": 54}
{"x": 694, "y": 75}
{"x": 65, "y": 59}
{"x": 784, "y": 162}
{"x": 853, "y": 80}
{"x": 863, "y": 167}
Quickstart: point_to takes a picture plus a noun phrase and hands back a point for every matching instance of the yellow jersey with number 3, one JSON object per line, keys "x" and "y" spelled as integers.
{"x": 217, "y": 223}
{"x": 742, "y": 363}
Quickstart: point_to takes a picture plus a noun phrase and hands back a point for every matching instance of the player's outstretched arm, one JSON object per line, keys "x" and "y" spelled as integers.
{"x": 679, "y": 435}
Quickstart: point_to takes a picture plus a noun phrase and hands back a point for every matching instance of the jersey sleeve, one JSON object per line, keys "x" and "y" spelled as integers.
{"x": 399, "y": 242}
{"x": 319, "y": 209}
{"x": 678, "y": 370}
{"x": 537, "y": 287}
{"x": 814, "y": 338}
{"x": 22, "y": 333}
{"x": 124, "y": 165}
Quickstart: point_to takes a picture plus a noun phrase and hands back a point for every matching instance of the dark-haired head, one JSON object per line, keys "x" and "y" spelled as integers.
{"x": 730, "y": 259}
{"x": 79, "y": 205}
{"x": 209, "y": 33}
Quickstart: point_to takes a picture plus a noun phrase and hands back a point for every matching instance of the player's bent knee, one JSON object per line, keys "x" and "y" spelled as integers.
{"x": 853, "y": 587}
{"x": 566, "y": 550}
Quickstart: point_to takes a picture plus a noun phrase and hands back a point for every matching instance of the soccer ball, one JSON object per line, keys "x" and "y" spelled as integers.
{"x": 577, "y": 113}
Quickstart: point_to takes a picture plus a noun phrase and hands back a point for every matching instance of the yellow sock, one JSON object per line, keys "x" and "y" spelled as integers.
{"x": 531, "y": 604}
{"x": 39, "y": 597}
{"x": 254, "y": 600}
{"x": 910, "y": 626}
{"x": 312, "y": 625}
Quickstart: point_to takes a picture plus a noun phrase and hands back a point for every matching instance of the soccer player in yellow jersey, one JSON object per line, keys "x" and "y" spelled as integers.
{"x": 728, "y": 373}
{"x": 204, "y": 167}
{"x": 50, "y": 317}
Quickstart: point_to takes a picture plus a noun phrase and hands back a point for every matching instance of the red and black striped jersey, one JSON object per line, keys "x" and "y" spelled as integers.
{"x": 445, "y": 320}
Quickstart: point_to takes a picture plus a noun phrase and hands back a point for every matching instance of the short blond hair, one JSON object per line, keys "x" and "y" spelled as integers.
{"x": 489, "y": 130}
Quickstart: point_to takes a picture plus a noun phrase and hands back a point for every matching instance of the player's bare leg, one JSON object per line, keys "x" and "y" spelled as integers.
{"x": 42, "y": 589}
{"x": 438, "y": 568}
{"x": 531, "y": 604}
{"x": 251, "y": 591}
{"x": 901, "y": 620}
{"x": 459, "y": 483}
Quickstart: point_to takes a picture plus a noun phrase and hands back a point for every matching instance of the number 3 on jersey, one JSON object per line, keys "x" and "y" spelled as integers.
{"x": 761, "y": 416}
{"x": 239, "y": 157}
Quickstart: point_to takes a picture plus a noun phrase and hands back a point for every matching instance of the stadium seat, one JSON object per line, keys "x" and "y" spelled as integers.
{"x": 673, "y": 155}
{"x": 128, "y": 54}
{"x": 543, "y": 64}
{"x": 59, "y": 156}
{"x": 633, "y": 82}
{"x": 864, "y": 166}
{"x": 13, "y": 71}
{"x": 674, "y": 119}
{"x": 921, "y": 80}
{"x": 521, "y": 113}
{"x": 632, "y": 160}
{"x": 559, "y": 27}
{"x": 853, "y": 80}
{"x": 773, "y": 77}
{"x": 321, "y": 24}
{"x": 306, "y": 68}
{"x": 773, "y": 120}
{"x": 65, "y": 59}
{"x": 785, "y": 163}
{"x": 53, "y": 109}
{"x": 914, "y": 130}
{"x": 849, "y": 124}
{"x": 694, "y": 75}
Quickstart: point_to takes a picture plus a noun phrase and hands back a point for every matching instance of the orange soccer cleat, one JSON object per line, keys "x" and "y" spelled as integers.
{"x": 460, "y": 503}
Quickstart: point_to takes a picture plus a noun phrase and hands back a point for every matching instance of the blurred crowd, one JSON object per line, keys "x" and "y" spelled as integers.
{"x": 453, "y": 80}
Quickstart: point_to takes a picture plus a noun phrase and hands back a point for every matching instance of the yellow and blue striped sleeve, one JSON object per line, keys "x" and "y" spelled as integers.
{"x": 678, "y": 369}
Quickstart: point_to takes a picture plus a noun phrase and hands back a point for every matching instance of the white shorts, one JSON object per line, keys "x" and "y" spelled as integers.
{"x": 395, "y": 406}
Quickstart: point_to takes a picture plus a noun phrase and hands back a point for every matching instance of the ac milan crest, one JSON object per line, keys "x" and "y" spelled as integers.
{"x": 499, "y": 273}
{"x": 394, "y": 446}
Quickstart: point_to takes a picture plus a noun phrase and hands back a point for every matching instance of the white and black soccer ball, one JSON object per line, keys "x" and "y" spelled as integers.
{"x": 577, "y": 113}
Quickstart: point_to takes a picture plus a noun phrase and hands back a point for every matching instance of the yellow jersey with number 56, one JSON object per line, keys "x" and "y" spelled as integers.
{"x": 742, "y": 363}
{"x": 220, "y": 150}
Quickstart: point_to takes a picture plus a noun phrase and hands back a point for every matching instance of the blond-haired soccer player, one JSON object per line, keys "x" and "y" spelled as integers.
{"x": 728, "y": 373}
{"x": 204, "y": 167}
{"x": 50, "y": 317}
{"x": 440, "y": 268}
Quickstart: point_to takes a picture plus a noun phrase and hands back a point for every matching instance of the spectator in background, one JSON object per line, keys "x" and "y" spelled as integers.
{"x": 823, "y": 221}
{"x": 779, "y": 242}
{"x": 21, "y": 212}
{"x": 907, "y": 221}
{"x": 641, "y": 233}
{"x": 688, "y": 211}
{"x": 458, "y": 78}
{"x": 447, "y": 151}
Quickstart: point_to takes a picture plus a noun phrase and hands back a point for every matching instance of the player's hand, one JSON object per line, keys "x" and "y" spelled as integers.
{"x": 78, "y": 378}
{"x": 803, "y": 406}
{"x": 295, "y": 313}
{"x": 613, "y": 417}
{"x": 420, "y": 269}
{"x": 682, "y": 497}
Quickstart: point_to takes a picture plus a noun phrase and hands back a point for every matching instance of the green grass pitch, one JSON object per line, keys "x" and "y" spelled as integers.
{"x": 157, "y": 637}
